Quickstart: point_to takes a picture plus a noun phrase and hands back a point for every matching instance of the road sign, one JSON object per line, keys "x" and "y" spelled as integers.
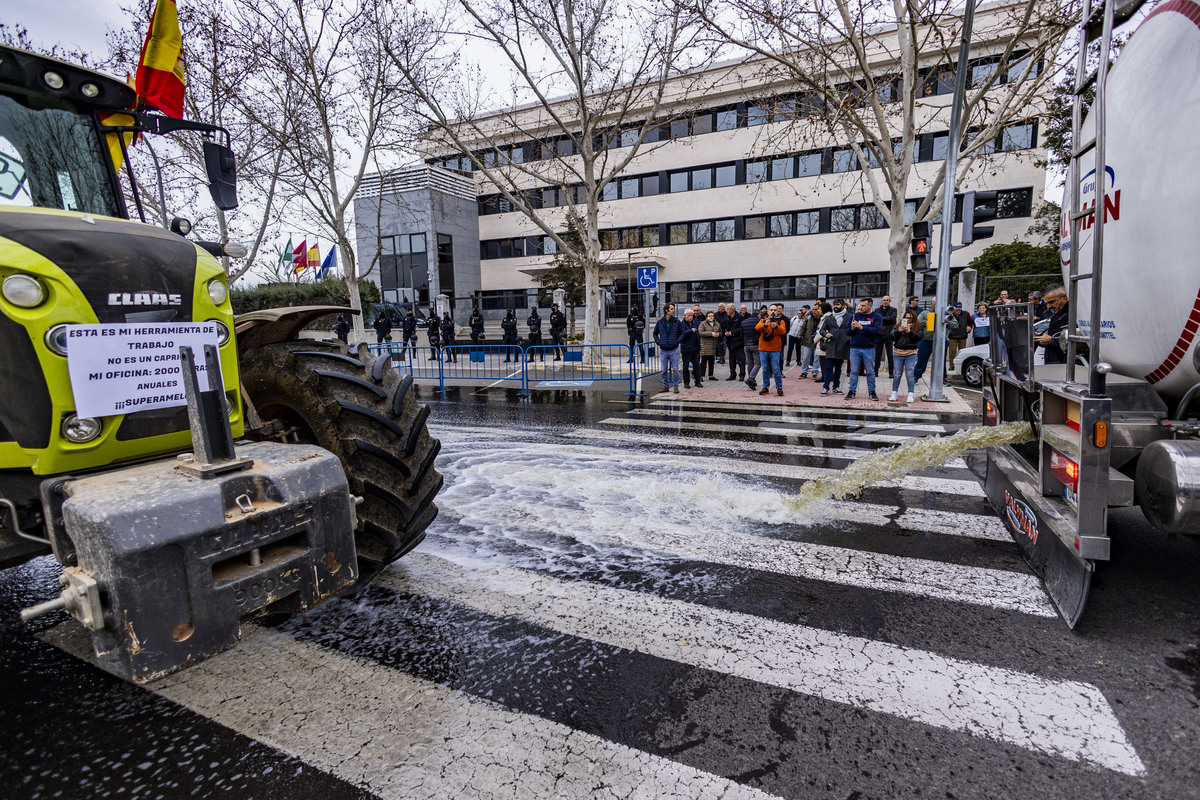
{"x": 647, "y": 277}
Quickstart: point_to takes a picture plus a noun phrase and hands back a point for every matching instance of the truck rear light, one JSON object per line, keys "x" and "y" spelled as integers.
{"x": 1100, "y": 434}
{"x": 990, "y": 415}
{"x": 1066, "y": 470}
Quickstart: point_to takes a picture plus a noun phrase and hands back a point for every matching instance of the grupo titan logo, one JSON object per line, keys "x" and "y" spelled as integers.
{"x": 1087, "y": 200}
{"x": 1021, "y": 517}
{"x": 144, "y": 299}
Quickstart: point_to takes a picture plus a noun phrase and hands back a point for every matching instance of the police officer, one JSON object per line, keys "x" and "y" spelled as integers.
{"x": 476, "y": 323}
{"x": 383, "y": 328}
{"x": 535, "y": 331}
{"x": 409, "y": 331}
{"x": 635, "y": 324}
{"x": 509, "y": 326}
{"x": 558, "y": 330}
{"x": 447, "y": 327}
{"x": 434, "y": 336}
{"x": 341, "y": 327}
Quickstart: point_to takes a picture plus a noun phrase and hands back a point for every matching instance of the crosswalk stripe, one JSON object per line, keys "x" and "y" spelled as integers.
{"x": 958, "y": 488}
{"x": 399, "y": 736}
{"x": 709, "y": 427}
{"x": 506, "y": 493}
{"x": 786, "y": 420}
{"x": 1069, "y": 719}
{"x": 767, "y": 408}
{"x": 733, "y": 445}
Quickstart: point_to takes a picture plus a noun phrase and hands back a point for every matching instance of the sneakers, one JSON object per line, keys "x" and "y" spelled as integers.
{"x": 945, "y": 383}
{"x": 779, "y": 391}
{"x": 804, "y": 374}
{"x": 892, "y": 397}
{"x": 751, "y": 383}
{"x": 765, "y": 390}
{"x": 837, "y": 391}
{"x": 824, "y": 393}
{"x": 675, "y": 389}
{"x": 911, "y": 399}
{"x": 849, "y": 395}
{"x": 665, "y": 389}
{"x": 816, "y": 379}
{"x": 732, "y": 378}
{"x": 873, "y": 396}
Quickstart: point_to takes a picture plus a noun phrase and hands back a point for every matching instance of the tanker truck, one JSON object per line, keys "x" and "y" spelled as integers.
{"x": 1116, "y": 424}
{"x": 125, "y": 379}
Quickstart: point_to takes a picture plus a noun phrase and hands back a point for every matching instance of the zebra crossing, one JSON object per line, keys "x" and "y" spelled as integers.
{"x": 634, "y": 609}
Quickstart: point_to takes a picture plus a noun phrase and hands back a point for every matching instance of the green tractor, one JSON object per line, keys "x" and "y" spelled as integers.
{"x": 169, "y": 533}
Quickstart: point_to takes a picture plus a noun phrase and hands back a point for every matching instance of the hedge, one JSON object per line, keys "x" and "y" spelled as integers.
{"x": 325, "y": 292}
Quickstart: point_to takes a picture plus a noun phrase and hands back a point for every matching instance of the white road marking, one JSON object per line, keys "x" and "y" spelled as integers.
{"x": 796, "y": 419}
{"x": 734, "y": 445}
{"x": 1069, "y": 719}
{"x": 709, "y": 427}
{"x": 399, "y": 736}
{"x": 510, "y": 499}
{"x": 958, "y": 488}
{"x": 882, "y": 411}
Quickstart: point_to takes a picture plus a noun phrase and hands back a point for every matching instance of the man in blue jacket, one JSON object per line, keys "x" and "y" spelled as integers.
{"x": 865, "y": 328}
{"x": 668, "y": 333}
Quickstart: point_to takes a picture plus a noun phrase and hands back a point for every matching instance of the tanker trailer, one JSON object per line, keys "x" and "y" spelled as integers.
{"x": 1111, "y": 426}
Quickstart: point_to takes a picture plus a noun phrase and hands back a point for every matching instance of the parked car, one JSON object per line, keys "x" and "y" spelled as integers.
{"x": 969, "y": 361}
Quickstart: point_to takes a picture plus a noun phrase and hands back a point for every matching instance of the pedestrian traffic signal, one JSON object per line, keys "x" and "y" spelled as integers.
{"x": 978, "y": 207}
{"x": 919, "y": 260}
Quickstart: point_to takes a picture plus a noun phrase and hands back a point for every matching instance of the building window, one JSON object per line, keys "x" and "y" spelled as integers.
{"x": 727, "y": 120}
{"x": 629, "y": 137}
{"x": 756, "y": 228}
{"x": 702, "y": 232}
{"x": 843, "y": 219}
{"x": 649, "y": 185}
{"x": 842, "y": 160}
{"x": 702, "y": 178}
{"x": 724, "y": 230}
{"x": 726, "y": 175}
{"x": 756, "y": 171}
{"x": 1013, "y": 73}
{"x": 608, "y": 240}
{"x": 630, "y": 188}
{"x": 986, "y": 148}
{"x": 629, "y": 238}
{"x": 678, "y": 181}
{"x": 780, "y": 225}
{"x": 1014, "y": 203}
{"x": 609, "y": 192}
{"x": 677, "y": 234}
{"x": 702, "y": 123}
{"x": 502, "y": 300}
{"x": 871, "y": 219}
{"x": 941, "y": 146}
{"x": 549, "y": 246}
{"x": 757, "y": 114}
{"x": 650, "y": 236}
{"x": 806, "y": 287}
{"x": 982, "y": 73}
{"x": 783, "y": 168}
{"x": 565, "y": 147}
{"x": 809, "y": 164}
{"x": 784, "y": 110}
{"x": 808, "y": 222}
{"x": 679, "y": 128}
{"x": 1017, "y": 137}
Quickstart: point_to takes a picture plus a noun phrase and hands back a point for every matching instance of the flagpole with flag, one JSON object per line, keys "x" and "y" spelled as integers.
{"x": 283, "y": 257}
{"x": 298, "y": 256}
{"x": 313, "y": 257}
{"x": 329, "y": 263}
{"x": 160, "y": 74}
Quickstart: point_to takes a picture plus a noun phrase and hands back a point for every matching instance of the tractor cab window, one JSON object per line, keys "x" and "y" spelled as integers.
{"x": 51, "y": 156}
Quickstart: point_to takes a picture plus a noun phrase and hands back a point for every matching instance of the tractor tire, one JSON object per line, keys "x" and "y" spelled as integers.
{"x": 355, "y": 405}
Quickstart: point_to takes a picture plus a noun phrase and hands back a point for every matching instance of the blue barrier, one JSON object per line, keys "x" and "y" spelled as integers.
{"x": 491, "y": 362}
{"x": 647, "y": 365}
{"x": 576, "y": 365}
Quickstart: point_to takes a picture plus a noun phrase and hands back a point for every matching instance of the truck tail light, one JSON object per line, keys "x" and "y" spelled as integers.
{"x": 1066, "y": 470}
{"x": 990, "y": 415}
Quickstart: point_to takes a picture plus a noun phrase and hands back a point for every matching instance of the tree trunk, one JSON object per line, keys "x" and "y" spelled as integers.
{"x": 356, "y": 320}
{"x": 591, "y": 308}
{"x": 898, "y": 241}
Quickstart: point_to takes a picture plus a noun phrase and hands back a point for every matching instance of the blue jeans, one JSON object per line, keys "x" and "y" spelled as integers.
{"x": 809, "y": 357}
{"x": 833, "y": 372}
{"x": 670, "y": 367}
{"x": 772, "y": 364}
{"x": 904, "y": 365}
{"x": 753, "y": 363}
{"x": 924, "y": 351}
{"x": 863, "y": 357}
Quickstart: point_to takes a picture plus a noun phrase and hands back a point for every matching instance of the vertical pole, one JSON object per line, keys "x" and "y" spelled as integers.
{"x": 937, "y": 372}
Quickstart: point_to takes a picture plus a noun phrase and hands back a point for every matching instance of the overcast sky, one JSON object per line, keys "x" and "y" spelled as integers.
{"x": 74, "y": 23}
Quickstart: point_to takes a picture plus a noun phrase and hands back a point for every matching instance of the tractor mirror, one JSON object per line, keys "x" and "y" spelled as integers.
{"x": 221, "y": 167}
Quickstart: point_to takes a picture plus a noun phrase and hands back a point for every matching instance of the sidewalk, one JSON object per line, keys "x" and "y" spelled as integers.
{"x": 799, "y": 391}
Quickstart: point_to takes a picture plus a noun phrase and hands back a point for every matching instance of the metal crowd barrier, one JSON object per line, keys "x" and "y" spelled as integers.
{"x": 536, "y": 367}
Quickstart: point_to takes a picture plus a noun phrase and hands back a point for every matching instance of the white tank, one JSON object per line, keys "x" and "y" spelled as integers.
{"x": 1151, "y": 271}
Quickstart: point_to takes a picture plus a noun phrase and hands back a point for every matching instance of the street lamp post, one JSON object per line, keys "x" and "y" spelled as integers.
{"x": 629, "y": 280}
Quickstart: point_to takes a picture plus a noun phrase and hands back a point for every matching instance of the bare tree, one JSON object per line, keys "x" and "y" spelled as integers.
{"x": 328, "y": 101}
{"x": 865, "y": 74}
{"x": 594, "y": 80}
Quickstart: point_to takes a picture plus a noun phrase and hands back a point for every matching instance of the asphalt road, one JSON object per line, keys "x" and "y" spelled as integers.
{"x": 619, "y": 601}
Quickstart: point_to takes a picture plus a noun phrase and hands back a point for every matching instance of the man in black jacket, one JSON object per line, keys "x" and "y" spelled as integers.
{"x": 733, "y": 345}
{"x": 383, "y": 327}
{"x": 476, "y": 325}
{"x": 722, "y": 318}
{"x": 884, "y": 342}
{"x": 689, "y": 349}
{"x": 408, "y": 329}
{"x": 558, "y": 329}
{"x": 750, "y": 345}
{"x": 448, "y": 331}
{"x": 535, "y": 333}
{"x": 509, "y": 326}
{"x": 635, "y": 326}
{"x": 1054, "y": 339}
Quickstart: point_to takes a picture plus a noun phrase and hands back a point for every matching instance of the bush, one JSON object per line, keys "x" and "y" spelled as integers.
{"x": 325, "y": 292}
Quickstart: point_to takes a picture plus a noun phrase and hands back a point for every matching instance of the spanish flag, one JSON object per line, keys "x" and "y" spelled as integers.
{"x": 314, "y": 256}
{"x": 160, "y": 76}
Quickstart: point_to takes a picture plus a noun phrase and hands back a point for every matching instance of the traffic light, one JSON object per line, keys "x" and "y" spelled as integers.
{"x": 921, "y": 250}
{"x": 978, "y": 207}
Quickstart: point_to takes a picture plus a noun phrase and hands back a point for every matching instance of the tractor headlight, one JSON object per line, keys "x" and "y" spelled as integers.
{"x": 222, "y": 332}
{"x": 25, "y": 291}
{"x": 80, "y": 429}
{"x": 217, "y": 291}
{"x": 56, "y": 339}
{"x": 54, "y": 80}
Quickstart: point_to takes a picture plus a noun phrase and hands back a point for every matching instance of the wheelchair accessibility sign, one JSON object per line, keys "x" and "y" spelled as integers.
{"x": 647, "y": 277}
